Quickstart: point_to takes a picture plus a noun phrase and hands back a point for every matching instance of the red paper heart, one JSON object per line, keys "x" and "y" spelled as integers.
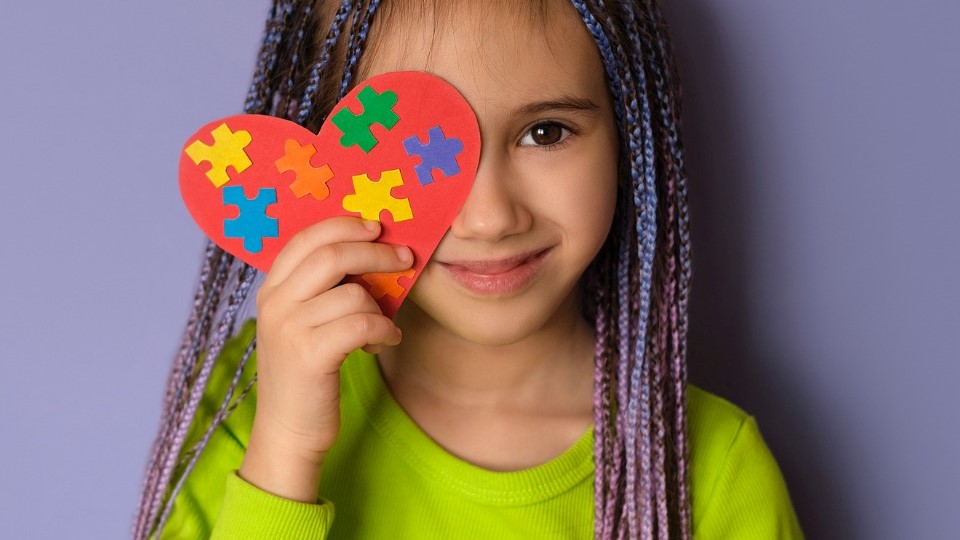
{"x": 411, "y": 129}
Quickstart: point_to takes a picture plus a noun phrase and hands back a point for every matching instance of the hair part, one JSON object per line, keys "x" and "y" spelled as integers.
{"x": 636, "y": 290}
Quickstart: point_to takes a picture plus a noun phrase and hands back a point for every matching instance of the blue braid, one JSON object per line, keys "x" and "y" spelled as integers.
{"x": 268, "y": 56}
{"x": 609, "y": 63}
{"x": 646, "y": 231}
{"x": 669, "y": 117}
{"x": 672, "y": 143}
{"x": 356, "y": 45}
{"x": 333, "y": 35}
{"x": 295, "y": 57}
{"x": 259, "y": 74}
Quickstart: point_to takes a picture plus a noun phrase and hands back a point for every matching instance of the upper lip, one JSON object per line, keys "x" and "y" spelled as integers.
{"x": 494, "y": 266}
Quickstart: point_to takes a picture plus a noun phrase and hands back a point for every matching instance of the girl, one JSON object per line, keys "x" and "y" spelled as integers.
{"x": 538, "y": 389}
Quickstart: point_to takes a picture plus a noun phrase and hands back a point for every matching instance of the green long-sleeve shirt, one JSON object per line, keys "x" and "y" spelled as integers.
{"x": 387, "y": 479}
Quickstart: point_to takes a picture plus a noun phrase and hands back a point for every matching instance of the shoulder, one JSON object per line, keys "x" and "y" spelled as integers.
{"x": 712, "y": 420}
{"x": 737, "y": 489}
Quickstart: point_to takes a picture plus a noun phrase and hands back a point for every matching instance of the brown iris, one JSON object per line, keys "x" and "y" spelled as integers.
{"x": 546, "y": 134}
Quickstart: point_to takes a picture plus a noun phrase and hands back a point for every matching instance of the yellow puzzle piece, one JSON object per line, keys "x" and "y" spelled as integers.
{"x": 227, "y": 151}
{"x": 371, "y": 198}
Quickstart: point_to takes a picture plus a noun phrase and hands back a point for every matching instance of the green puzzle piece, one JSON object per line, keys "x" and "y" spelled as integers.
{"x": 377, "y": 109}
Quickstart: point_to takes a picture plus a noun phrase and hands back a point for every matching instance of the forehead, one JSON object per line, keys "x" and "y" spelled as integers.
{"x": 498, "y": 53}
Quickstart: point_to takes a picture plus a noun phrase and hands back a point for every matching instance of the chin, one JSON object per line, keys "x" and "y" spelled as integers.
{"x": 491, "y": 333}
{"x": 491, "y": 323}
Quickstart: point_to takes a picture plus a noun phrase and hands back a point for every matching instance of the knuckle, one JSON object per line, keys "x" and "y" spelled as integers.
{"x": 299, "y": 241}
{"x": 330, "y": 256}
{"x": 356, "y": 293}
{"x": 265, "y": 307}
{"x": 363, "y": 323}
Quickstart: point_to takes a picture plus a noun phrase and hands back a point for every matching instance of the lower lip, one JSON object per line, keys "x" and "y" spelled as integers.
{"x": 511, "y": 281}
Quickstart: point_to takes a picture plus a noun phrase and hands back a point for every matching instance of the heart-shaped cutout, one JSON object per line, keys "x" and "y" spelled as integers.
{"x": 401, "y": 148}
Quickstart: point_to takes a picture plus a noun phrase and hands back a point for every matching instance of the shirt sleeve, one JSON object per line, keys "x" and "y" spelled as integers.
{"x": 251, "y": 513}
{"x": 749, "y": 499}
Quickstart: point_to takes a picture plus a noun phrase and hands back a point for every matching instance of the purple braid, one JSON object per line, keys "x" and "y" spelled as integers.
{"x": 206, "y": 298}
{"x": 246, "y": 282}
{"x": 223, "y": 331}
{"x": 659, "y": 325}
{"x": 218, "y": 268}
{"x": 677, "y": 194}
{"x": 660, "y": 59}
{"x": 601, "y": 397}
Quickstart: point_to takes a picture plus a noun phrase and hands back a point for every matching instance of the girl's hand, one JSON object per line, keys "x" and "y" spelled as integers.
{"x": 306, "y": 326}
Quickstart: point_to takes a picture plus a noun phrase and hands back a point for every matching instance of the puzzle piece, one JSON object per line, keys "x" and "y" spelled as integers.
{"x": 439, "y": 153}
{"x": 227, "y": 151}
{"x": 377, "y": 109}
{"x": 253, "y": 224}
{"x": 373, "y": 197}
{"x": 384, "y": 283}
{"x": 309, "y": 179}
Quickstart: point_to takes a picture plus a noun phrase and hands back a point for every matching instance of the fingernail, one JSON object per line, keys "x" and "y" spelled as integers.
{"x": 371, "y": 225}
{"x": 403, "y": 253}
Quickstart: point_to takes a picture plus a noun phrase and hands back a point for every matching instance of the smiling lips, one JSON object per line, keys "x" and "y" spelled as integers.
{"x": 497, "y": 276}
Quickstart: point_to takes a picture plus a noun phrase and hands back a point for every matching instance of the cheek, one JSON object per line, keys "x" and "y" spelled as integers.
{"x": 596, "y": 206}
{"x": 581, "y": 194}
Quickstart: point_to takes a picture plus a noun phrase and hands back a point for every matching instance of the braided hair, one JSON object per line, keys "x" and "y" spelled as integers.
{"x": 636, "y": 290}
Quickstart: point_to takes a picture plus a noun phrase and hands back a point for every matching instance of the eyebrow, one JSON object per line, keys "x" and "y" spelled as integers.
{"x": 565, "y": 103}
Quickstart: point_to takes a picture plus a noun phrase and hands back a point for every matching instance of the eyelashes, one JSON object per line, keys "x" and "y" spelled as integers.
{"x": 547, "y": 135}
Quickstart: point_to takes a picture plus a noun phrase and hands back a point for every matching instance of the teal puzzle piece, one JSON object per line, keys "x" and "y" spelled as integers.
{"x": 253, "y": 224}
{"x": 377, "y": 109}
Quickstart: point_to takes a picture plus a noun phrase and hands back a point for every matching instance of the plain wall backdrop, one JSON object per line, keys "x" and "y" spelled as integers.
{"x": 822, "y": 140}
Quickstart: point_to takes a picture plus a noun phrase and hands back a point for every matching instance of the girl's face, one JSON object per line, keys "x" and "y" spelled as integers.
{"x": 547, "y": 179}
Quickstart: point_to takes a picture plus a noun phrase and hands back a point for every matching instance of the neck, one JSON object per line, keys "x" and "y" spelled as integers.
{"x": 550, "y": 366}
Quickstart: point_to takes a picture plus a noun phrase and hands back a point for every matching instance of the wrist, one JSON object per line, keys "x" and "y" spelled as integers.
{"x": 280, "y": 470}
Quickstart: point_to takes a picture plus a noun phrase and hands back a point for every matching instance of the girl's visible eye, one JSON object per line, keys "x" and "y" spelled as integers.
{"x": 545, "y": 134}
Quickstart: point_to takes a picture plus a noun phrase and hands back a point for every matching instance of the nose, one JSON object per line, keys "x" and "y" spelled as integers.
{"x": 494, "y": 208}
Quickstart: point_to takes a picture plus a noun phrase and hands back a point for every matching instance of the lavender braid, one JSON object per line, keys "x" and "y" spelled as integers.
{"x": 217, "y": 271}
{"x": 180, "y": 405}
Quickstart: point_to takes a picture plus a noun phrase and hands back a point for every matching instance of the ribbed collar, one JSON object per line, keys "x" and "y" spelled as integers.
{"x": 367, "y": 387}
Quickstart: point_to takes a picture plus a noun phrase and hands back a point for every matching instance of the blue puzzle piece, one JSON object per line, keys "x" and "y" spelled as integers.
{"x": 253, "y": 224}
{"x": 439, "y": 153}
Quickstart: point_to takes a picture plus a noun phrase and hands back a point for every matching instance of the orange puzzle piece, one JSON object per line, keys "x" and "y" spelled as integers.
{"x": 310, "y": 179}
{"x": 384, "y": 283}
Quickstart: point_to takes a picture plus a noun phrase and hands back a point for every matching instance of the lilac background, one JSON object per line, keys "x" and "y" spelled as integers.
{"x": 822, "y": 140}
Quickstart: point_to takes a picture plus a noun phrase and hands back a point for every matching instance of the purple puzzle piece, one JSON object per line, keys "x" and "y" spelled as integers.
{"x": 439, "y": 153}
